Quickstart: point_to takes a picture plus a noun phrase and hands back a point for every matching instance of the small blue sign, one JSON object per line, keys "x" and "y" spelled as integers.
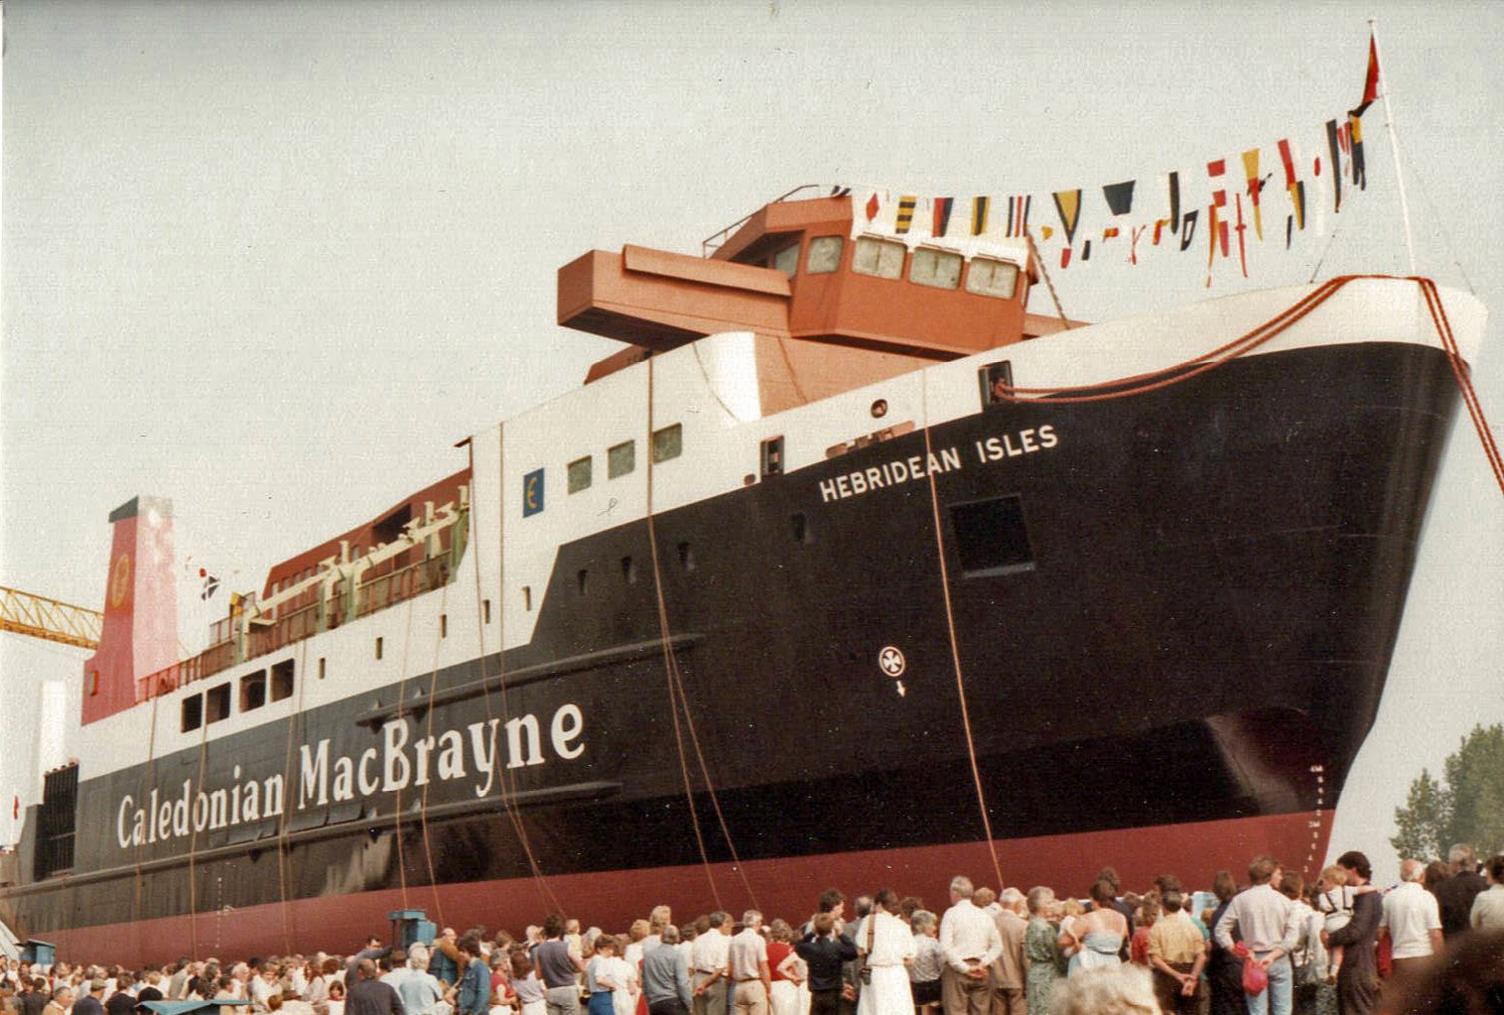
{"x": 532, "y": 493}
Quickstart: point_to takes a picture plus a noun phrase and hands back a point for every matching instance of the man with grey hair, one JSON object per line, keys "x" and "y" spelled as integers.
{"x": 1009, "y": 970}
{"x": 971, "y": 944}
{"x": 709, "y": 956}
{"x": 1456, "y": 894}
{"x": 61, "y": 1003}
{"x": 1412, "y": 919}
{"x": 747, "y": 958}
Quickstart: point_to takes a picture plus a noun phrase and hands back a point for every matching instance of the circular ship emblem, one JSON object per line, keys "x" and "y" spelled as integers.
{"x": 891, "y": 661}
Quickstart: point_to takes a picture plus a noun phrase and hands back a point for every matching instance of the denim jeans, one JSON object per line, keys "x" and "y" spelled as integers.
{"x": 1274, "y": 999}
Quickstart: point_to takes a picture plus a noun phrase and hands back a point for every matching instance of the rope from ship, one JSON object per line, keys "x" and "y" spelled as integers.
{"x": 679, "y": 697}
{"x": 203, "y": 757}
{"x": 433, "y": 686}
{"x": 1460, "y": 371}
{"x": 1048, "y": 282}
{"x": 1138, "y": 384}
{"x": 407, "y": 637}
{"x": 955, "y": 649}
{"x": 151, "y": 778}
{"x": 503, "y": 781}
{"x": 668, "y": 656}
{"x": 300, "y": 670}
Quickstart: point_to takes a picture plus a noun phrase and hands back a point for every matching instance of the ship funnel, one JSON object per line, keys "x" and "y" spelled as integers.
{"x": 140, "y": 631}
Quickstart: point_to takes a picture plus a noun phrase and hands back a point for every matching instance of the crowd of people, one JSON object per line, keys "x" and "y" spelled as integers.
{"x": 1275, "y": 946}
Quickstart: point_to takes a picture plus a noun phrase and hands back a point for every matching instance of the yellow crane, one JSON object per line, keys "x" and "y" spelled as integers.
{"x": 49, "y": 619}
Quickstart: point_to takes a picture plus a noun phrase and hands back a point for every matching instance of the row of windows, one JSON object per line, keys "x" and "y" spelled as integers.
{"x": 256, "y": 689}
{"x": 621, "y": 459}
{"x": 941, "y": 269}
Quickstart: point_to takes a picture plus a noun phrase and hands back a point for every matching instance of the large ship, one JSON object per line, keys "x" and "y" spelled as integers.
{"x": 845, "y": 570}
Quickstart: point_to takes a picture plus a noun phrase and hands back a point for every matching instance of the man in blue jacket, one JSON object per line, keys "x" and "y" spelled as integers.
{"x": 474, "y": 996}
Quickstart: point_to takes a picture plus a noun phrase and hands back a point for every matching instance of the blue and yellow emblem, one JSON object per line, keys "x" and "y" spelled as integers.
{"x": 532, "y": 493}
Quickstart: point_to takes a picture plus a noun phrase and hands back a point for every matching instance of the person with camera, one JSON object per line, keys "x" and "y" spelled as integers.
{"x": 886, "y": 947}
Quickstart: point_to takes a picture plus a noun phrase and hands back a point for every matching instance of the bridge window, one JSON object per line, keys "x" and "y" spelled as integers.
{"x": 579, "y": 474}
{"x": 938, "y": 268}
{"x": 787, "y": 260}
{"x": 824, "y": 255}
{"x": 992, "y": 278}
{"x": 772, "y": 457}
{"x": 668, "y": 443}
{"x": 621, "y": 459}
{"x": 883, "y": 258}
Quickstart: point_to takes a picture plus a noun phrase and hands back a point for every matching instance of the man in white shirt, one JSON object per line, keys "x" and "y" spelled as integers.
{"x": 1267, "y": 925}
{"x": 747, "y": 959}
{"x": 971, "y": 944}
{"x": 708, "y": 962}
{"x": 1412, "y": 918}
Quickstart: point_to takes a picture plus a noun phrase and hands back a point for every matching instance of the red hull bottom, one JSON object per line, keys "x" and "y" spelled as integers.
{"x": 784, "y": 887}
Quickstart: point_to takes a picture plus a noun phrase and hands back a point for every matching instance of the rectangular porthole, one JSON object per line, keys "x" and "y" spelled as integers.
{"x": 443, "y": 625}
{"x": 629, "y": 570}
{"x": 996, "y": 382}
{"x": 686, "y": 557}
{"x": 253, "y": 691}
{"x": 282, "y": 680}
{"x": 579, "y": 474}
{"x": 217, "y": 703}
{"x": 193, "y": 712}
{"x": 621, "y": 459}
{"x": 582, "y": 580}
{"x": 323, "y": 667}
{"x": 527, "y": 598}
{"x": 378, "y": 648}
{"x": 992, "y": 537}
{"x": 772, "y": 457}
{"x": 668, "y": 443}
{"x": 799, "y": 527}
{"x": 485, "y": 609}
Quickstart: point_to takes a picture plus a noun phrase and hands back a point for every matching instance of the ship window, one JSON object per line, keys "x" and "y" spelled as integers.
{"x": 443, "y": 625}
{"x": 883, "y": 258}
{"x": 938, "y": 268}
{"x": 992, "y": 278}
{"x": 799, "y": 525}
{"x": 686, "y": 556}
{"x": 253, "y": 690}
{"x": 378, "y": 648}
{"x": 787, "y": 260}
{"x": 193, "y": 712}
{"x": 772, "y": 456}
{"x": 579, "y": 474}
{"x": 527, "y": 598}
{"x": 991, "y": 536}
{"x": 485, "y": 609}
{"x": 217, "y": 703}
{"x": 282, "y": 680}
{"x": 824, "y": 254}
{"x": 995, "y": 380}
{"x": 582, "y": 580}
{"x": 621, "y": 459}
{"x": 323, "y": 667}
{"x": 629, "y": 570}
{"x": 668, "y": 443}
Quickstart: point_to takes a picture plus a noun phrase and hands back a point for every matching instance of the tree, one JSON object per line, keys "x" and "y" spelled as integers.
{"x": 1467, "y": 805}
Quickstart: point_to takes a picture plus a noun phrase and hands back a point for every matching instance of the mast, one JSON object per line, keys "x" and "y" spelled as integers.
{"x": 1399, "y": 172}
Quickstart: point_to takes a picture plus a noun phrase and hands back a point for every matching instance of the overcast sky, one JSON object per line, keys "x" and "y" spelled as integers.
{"x": 271, "y": 260}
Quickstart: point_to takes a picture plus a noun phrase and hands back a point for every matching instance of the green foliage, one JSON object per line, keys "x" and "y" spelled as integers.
{"x": 1467, "y": 805}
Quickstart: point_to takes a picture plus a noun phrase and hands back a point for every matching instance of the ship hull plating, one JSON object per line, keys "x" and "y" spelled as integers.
{"x": 1173, "y": 615}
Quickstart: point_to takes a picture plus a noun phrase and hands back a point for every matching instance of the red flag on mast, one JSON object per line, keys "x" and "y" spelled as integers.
{"x": 1371, "y": 81}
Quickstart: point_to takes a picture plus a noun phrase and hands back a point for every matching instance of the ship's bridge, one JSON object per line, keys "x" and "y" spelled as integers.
{"x": 809, "y": 270}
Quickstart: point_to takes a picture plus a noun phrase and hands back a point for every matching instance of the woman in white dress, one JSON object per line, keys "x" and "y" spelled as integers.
{"x": 885, "y": 946}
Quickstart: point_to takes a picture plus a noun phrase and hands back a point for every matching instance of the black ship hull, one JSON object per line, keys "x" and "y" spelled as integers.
{"x": 1173, "y": 615}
